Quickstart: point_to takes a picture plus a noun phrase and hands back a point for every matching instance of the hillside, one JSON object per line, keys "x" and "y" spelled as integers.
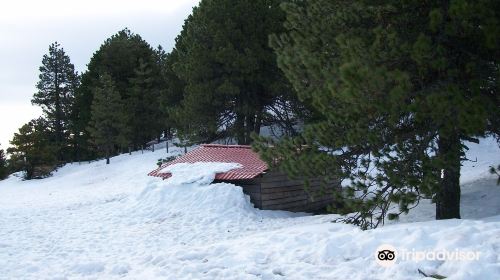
{"x": 98, "y": 221}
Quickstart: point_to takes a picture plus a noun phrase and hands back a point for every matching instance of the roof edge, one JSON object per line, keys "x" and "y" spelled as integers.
{"x": 226, "y": 146}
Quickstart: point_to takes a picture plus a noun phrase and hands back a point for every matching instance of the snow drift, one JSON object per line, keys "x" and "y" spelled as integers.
{"x": 188, "y": 193}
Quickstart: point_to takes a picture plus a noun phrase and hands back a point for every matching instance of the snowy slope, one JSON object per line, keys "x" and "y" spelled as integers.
{"x": 93, "y": 221}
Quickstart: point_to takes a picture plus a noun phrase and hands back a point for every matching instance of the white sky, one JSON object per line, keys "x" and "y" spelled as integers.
{"x": 28, "y": 27}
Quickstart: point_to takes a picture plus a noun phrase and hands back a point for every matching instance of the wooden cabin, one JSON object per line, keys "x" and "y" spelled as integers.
{"x": 268, "y": 190}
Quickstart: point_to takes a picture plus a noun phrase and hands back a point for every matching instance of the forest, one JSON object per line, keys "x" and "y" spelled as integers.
{"x": 383, "y": 94}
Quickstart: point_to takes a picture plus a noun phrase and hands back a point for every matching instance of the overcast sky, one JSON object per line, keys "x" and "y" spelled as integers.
{"x": 28, "y": 27}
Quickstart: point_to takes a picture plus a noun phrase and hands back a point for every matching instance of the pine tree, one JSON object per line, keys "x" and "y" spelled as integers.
{"x": 33, "y": 150}
{"x": 171, "y": 92}
{"x": 229, "y": 71}
{"x": 107, "y": 125}
{"x": 144, "y": 119}
{"x": 119, "y": 57}
{"x": 3, "y": 165}
{"x": 56, "y": 89}
{"x": 399, "y": 89}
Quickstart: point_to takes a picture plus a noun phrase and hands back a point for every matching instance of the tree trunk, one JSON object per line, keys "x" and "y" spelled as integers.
{"x": 448, "y": 196}
{"x": 76, "y": 149}
{"x": 249, "y": 128}
{"x": 107, "y": 155}
{"x": 58, "y": 115}
{"x": 258, "y": 122}
{"x": 240, "y": 128}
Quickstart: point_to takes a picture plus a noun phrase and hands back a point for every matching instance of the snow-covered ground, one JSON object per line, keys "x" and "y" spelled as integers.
{"x": 93, "y": 221}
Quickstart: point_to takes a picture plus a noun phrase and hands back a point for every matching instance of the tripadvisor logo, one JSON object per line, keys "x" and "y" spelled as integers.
{"x": 386, "y": 255}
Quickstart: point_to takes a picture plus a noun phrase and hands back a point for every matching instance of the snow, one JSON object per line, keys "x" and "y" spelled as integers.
{"x": 480, "y": 158}
{"x": 199, "y": 172}
{"x": 98, "y": 221}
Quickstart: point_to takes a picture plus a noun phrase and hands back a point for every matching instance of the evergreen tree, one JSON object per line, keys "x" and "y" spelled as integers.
{"x": 119, "y": 56}
{"x": 107, "y": 125}
{"x": 3, "y": 165}
{"x": 33, "y": 150}
{"x": 56, "y": 89}
{"x": 399, "y": 89}
{"x": 171, "y": 92}
{"x": 144, "y": 118}
{"x": 229, "y": 71}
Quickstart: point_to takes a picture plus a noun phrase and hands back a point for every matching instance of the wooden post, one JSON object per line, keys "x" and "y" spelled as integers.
{"x": 153, "y": 148}
{"x": 167, "y": 146}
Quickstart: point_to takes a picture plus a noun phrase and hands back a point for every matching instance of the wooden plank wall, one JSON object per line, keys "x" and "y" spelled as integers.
{"x": 275, "y": 191}
{"x": 278, "y": 192}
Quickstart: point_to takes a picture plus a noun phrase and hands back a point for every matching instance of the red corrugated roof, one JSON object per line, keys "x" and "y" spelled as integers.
{"x": 252, "y": 165}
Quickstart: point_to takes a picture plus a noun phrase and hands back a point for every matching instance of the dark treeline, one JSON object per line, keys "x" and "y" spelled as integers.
{"x": 232, "y": 85}
{"x": 113, "y": 106}
{"x": 352, "y": 86}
